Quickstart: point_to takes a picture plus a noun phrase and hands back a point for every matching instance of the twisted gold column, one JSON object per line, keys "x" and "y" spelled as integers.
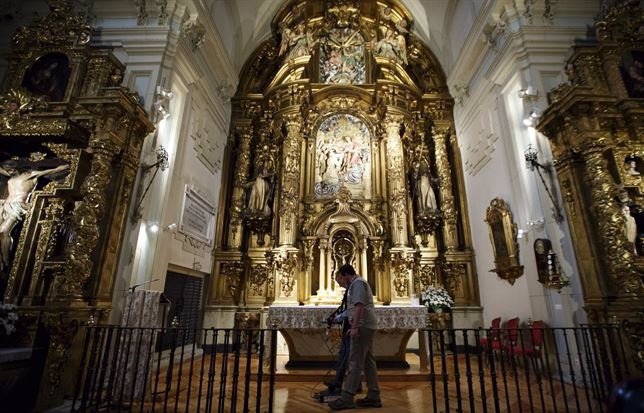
{"x": 396, "y": 181}
{"x": 290, "y": 180}
{"x": 240, "y": 179}
{"x": 448, "y": 205}
{"x": 611, "y": 224}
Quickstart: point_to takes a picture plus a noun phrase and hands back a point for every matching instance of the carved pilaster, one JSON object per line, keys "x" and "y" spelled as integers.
{"x": 240, "y": 178}
{"x": 283, "y": 262}
{"x": 61, "y": 335}
{"x": 259, "y": 275}
{"x": 426, "y": 276}
{"x": 290, "y": 184}
{"x": 448, "y": 204}
{"x": 233, "y": 273}
{"x": 305, "y": 282}
{"x": 396, "y": 180}
{"x": 611, "y": 224}
{"x": 403, "y": 262}
{"x": 454, "y": 274}
{"x": 87, "y": 217}
{"x": 610, "y": 63}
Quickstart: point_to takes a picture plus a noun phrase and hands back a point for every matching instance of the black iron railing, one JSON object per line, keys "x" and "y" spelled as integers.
{"x": 126, "y": 369}
{"x": 525, "y": 370}
{"x": 535, "y": 369}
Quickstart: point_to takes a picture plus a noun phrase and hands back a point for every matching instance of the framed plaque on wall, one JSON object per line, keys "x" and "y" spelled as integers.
{"x": 197, "y": 216}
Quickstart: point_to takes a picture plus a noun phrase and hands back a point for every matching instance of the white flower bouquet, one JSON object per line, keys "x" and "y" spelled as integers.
{"x": 8, "y": 318}
{"x": 437, "y": 299}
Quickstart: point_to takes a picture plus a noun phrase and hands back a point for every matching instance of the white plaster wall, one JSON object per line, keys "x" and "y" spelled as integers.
{"x": 493, "y": 139}
{"x": 484, "y": 132}
{"x": 458, "y": 27}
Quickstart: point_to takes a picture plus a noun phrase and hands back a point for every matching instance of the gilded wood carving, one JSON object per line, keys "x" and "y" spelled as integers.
{"x": 503, "y": 235}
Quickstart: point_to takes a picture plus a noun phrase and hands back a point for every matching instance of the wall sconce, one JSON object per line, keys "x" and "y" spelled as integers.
{"x": 530, "y": 93}
{"x": 532, "y": 163}
{"x": 532, "y": 118}
{"x": 160, "y": 164}
{"x": 154, "y": 227}
{"x": 535, "y": 224}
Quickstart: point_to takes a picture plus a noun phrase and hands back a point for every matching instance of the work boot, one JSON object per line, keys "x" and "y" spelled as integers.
{"x": 367, "y": 402}
{"x": 342, "y": 404}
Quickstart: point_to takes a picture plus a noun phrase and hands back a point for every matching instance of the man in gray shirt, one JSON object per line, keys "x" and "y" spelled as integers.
{"x": 363, "y": 328}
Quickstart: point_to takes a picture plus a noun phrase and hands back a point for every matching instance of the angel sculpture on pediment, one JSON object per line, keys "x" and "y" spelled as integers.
{"x": 392, "y": 44}
{"x": 298, "y": 42}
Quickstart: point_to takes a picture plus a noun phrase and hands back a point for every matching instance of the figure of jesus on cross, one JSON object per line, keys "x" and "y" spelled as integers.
{"x": 22, "y": 180}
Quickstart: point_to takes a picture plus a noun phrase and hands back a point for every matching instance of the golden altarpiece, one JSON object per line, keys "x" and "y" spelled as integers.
{"x": 595, "y": 125}
{"x": 71, "y": 142}
{"x": 342, "y": 150}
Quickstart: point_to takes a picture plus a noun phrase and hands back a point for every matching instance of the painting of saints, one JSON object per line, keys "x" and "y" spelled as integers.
{"x": 342, "y": 155}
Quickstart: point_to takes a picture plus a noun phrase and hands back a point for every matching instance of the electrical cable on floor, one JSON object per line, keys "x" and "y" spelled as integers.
{"x": 333, "y": 352}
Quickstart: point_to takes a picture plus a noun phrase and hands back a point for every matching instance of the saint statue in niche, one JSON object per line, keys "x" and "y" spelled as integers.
{"x": 22, "y": 180}
{"x": 423, "y": 191}
{"x": 631, "y": 228}
{"x": 261, "y": 189}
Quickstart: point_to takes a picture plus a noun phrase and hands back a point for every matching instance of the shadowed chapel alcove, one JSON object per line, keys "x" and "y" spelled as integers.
{"x": 341, "y": 149}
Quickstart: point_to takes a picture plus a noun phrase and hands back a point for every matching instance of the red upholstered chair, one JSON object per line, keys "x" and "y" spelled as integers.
{"x": 511, "y": 334}
{"x": 531, "y": 350}
{"x": 494, "y": 337}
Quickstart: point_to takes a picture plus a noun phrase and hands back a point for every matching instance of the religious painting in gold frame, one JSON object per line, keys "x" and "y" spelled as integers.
{"x": 503, "y": 234}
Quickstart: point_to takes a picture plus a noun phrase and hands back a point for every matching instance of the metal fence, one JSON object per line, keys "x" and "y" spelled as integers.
{"x": 126, "y": 369}
{"x": 533, "y": 369}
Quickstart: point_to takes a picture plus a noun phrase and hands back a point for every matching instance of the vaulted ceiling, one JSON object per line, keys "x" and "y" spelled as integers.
{"x": 244, "y": 24}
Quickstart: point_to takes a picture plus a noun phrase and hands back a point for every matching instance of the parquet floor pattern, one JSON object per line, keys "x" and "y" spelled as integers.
{"x": 401, "y": 390}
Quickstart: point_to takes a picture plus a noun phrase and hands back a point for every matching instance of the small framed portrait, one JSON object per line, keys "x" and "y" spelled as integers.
{"x": 632, "y": 68}
{"x": 48, "y": 76}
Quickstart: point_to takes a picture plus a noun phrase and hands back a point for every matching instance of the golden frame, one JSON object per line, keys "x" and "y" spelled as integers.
{"x": 503, "y": 234}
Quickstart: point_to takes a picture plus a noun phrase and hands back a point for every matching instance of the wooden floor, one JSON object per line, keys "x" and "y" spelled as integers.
{"x": 408, "y": 390}
{"x": 412, "y": 391}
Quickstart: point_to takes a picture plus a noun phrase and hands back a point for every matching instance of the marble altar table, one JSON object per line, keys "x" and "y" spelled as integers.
{"x": 311, "y": 344}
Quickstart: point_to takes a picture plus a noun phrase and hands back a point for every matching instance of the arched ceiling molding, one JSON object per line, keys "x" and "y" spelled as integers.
{"x": 252, "y": 24}
{"x": 260, "y": 69}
